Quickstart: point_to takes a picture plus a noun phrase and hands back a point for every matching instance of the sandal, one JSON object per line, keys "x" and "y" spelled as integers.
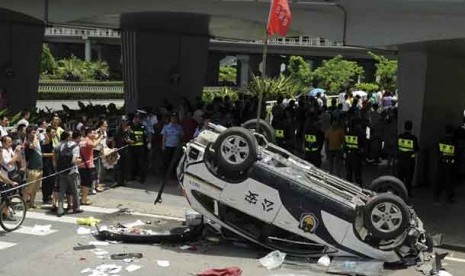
{"x": 86, "y": 203}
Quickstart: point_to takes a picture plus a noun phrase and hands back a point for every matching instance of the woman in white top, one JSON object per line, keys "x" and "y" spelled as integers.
{"x": 102, "y": 134}
{"x": 10, "y": 157}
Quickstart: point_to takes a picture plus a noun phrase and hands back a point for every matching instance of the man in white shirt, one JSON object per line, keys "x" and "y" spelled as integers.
{"x": 25, "y": 115}
{"x": 3, "y": 124}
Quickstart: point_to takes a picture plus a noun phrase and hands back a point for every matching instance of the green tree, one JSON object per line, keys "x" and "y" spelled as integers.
{"x": 97, "y": 70}
{"x": 72, "y": 69}
{"x": 48, "y": 65}
{"x": 337, "y": 73}
{"x": 367, "y": 86}
{"x": 228, "y": 74}
{"x": 386, "y": 71}
{"x": 299, "y": 70}
{"x": 272, "y": 87}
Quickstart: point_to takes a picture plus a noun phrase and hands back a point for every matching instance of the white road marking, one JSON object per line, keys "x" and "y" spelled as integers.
{"x": 48, "y": 217}
{"x": 454, "y": 259}
{"x": 31, "y": 231}
{"x": 97, "y": 209}
{"x": 5, "y": 245}
{"x": 93, "y": 209}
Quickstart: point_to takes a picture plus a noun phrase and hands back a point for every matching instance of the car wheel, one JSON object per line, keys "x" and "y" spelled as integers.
{"x": 264, "y": 128}
{"x": 235, "y": 149}
{"x": 386, "y": 216}
{"x": 389, "y": 184}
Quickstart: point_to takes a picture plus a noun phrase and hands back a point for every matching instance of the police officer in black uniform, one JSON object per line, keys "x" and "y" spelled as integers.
{"x": 354, "y": 145}
{"x": 447, "y": 166}
{"x": 279, "y": 122}
{"x": 313, "y": 140}
{"x": 407, "y": 147}
{"x": 137, "y": 149}
{"x": 122, "y": 140}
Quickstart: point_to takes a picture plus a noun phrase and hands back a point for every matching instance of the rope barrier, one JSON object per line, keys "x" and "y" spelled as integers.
{"x": 56, "y": 173}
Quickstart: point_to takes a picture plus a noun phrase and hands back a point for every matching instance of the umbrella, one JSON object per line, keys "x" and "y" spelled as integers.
{"x": 315, "y": 91}
{"x": 360, "y": 93}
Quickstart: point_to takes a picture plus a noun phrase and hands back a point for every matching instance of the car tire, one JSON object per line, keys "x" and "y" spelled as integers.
{"x": 386, "y": 216}
{"x": 264, "y": 128}
{"x": 389, "y": 184}
{"x": 235, "y": 150}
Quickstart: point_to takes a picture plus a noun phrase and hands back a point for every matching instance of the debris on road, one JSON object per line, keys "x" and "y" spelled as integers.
{"x": 351, "y": 266}
{"x": 227, "y": 271}
{"x": 123, "y": 256}
{"x": 102, "y": 270}
{"x": 120, "y": 232}
{"x": 99, "y": 243}
{"x": 444, "y": 273}
{"x": 41, "y": 228}
{"x": 324, "y": 261}
{"x": 273, "y": 260}
{"x": 90, "y": 221}
{"x": 134, "y": 224}
{"x": 163, "y": 263}
{"x": 133, "y": 267}
{"x": 188, "y": 247}
{"x": 84, "y": 247}
{"x": 100, "y": 253}
{"x": 83, "y": 231}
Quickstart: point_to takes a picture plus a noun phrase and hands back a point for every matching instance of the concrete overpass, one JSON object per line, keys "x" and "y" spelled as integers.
{"x": 429, "y": 36}
{"x": 104, "y": 44}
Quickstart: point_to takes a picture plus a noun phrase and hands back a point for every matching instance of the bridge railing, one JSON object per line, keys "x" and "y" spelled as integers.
{"x": 116, "y": 87}
{"x": 84, "y": 33}
{"x": 110, "y": 33}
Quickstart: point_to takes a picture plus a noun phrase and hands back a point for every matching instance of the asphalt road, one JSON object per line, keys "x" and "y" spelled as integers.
{"x": 28, "y": 252}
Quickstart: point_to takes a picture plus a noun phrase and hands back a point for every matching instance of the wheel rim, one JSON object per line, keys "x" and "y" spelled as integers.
{"x": 386, "y": 217}
{"x": 235, "y": 149}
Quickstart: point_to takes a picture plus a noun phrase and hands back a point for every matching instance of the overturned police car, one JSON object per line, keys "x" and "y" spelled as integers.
{"x": 254, "y": 189}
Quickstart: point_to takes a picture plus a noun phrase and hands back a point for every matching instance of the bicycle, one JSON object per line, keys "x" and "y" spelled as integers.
{"x": 12, "y": 209}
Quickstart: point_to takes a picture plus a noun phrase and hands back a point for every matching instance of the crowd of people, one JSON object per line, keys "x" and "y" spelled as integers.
{"x": 67, "y": 160}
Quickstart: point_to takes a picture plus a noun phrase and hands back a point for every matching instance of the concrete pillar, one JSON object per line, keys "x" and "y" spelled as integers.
{"x": 21, "y": 39}
{"x": 273, "y": 66}
{"x": 99, "y": 53}
{"x": 88, "y": 50}
{"x": 243, "y": 71}
{"x": 164, "y": 57}
{"x": 430, "y": 95}
{"x": 213, "y": 69}
{"x": 254, "y": 64}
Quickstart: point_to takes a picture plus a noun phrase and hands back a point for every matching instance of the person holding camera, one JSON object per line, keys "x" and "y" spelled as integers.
{"x": 34, "y": 165}
{"x": 10, "y": 159}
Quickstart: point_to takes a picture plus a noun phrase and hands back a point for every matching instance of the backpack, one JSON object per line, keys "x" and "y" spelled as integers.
{"x": 65, "y": 157}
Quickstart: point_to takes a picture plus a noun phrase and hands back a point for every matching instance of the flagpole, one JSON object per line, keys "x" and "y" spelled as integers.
{"x": 265, "y": 51}
{"x": 260, "y": 95}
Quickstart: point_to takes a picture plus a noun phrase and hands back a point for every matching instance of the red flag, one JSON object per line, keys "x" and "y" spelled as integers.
{"x": 280, "y": 17}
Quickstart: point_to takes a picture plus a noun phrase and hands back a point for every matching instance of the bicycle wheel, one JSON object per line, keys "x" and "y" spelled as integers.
{"x": 13, "y": 213}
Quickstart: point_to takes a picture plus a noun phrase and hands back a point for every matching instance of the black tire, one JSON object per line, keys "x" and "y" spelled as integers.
{"x": 241, "y": 145}
{"x": 386, "y": 223}
{"x": 264, "y": 128}
{"x": 16, "y": 208}
{"x": 389, "y": 184}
